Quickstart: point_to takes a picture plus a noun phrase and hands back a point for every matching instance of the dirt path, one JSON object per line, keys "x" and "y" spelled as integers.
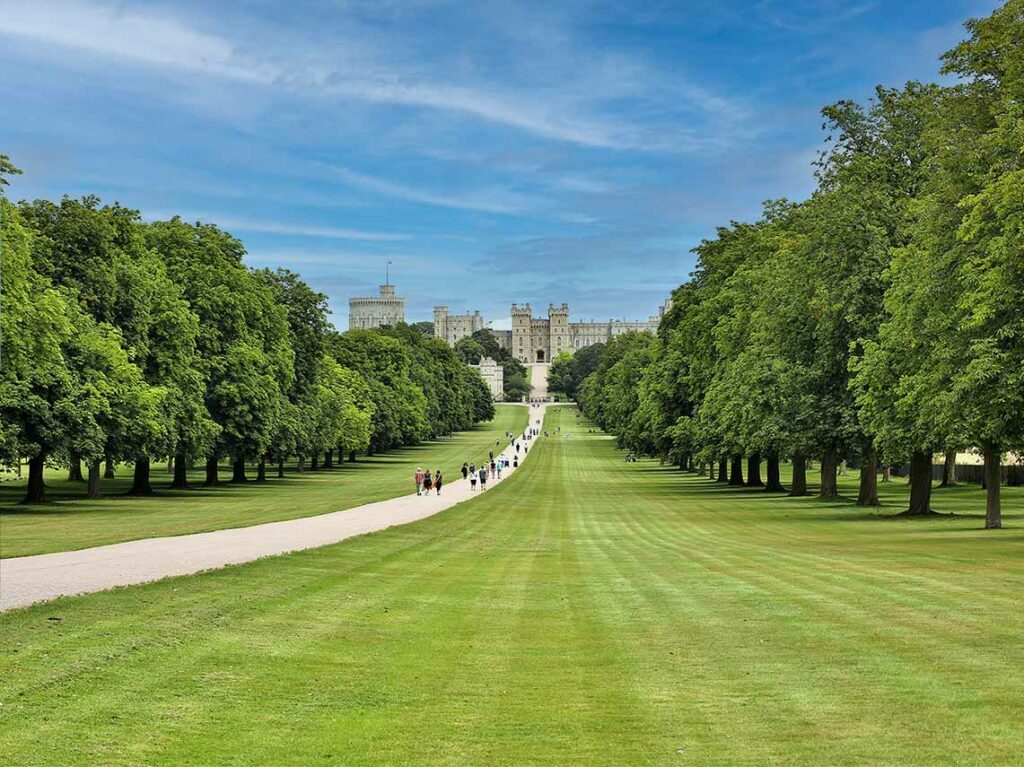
{"x": 27, "y": 580}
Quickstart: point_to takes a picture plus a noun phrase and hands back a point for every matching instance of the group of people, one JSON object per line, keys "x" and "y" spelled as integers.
{"x": 490, "y": 469}
{"x": 425, "y": 483}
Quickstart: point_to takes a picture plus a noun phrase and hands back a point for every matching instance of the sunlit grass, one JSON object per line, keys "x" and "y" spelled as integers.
{"x": 588, "y": 611}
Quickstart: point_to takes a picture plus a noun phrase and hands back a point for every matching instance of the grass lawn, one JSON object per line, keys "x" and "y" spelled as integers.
{"x": 588, "y": 611}
{"x": 71, "y": 521}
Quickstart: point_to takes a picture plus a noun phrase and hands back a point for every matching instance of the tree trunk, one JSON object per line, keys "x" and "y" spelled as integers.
{"x": 211, "y": 472}
{"x": 829, "y": 482}
{"x": 723, "y": 469}
{"x": 774, "y": 484}
{"x": 170, "y": 464}
{"x": 920, "y": 483}
{"x": 351, "y": 456}
{"x": 799, "y": 486}
{"x": 949, "y": 469}
{"x": 180, "y": 480}
{"x": 75, "y": 469}
{"x": 328, "y": 459}
{"x": 993, "y": 480}
{"x": 36, "y": 490}
{"x": 300, "y": 463}
{"x": 736, "y": 475}
{"x": 886, "y": 472}
{"x": 108, "y": 470}
{"x": 314, "y": 461}
{"x": 93, "y": 488}
{"x": 140, "y": 479}
{"x": 868, "y": 493}
{"x": 261, "y": 470}
{"x": 280, "y": 469}
{"x": 754, "y": 470}
{"x": 238, "y": 470}
{"x": 711, "y": 470}
{"x": 702, "y": 469}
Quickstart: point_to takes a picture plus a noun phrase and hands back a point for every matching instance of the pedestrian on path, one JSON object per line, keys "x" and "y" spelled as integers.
{"x": 427, "y": 483}
{"x": 494, "y": 469}
{"x": 501, "y": 465}
{"x": 483, "y": 478}
{"x": 419, "y": 481}
{"x": 515, "y": 462}
{"x": 437, "y": 481}
{"x": 472, "y": 482}
{"x": 465, "y": 470}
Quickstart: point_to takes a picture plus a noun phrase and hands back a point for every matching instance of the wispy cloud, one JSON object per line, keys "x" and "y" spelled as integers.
{"x": 288, "y": 228}
{"x": 158, "y": 39}
{"x": 806, "y": 17}
{"x": 495, "y": 200}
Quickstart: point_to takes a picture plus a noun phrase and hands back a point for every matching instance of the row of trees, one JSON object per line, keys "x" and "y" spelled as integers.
{"x": 880, "y": 320}
{"x": 482, "y": 343}
{"x": 125, "y": 341}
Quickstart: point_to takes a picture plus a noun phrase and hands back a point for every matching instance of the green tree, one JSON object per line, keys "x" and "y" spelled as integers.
{"x": 244, "y": 344}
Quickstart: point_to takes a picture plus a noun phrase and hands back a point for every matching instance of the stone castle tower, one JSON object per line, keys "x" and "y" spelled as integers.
{"x": 558, "y": 331}
{"x": 368, "y": 312}
{"x": 522, "y": 333}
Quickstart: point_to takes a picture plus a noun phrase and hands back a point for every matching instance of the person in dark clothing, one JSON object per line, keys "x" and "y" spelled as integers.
{"x": 465, "y": 470}
{"x": 437, "y": 481}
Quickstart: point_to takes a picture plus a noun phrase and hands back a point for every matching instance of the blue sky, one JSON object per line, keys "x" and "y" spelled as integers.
{"x": 495, "y": 152}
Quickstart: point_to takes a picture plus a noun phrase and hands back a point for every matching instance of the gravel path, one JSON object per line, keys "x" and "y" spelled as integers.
{"x": 27, "y": 580}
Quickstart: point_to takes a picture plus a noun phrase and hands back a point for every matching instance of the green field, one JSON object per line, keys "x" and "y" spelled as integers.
{"x": 73, "y": 522}
{"x": 587, "y": 611}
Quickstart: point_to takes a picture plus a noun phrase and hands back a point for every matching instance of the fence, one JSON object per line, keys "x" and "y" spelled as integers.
{"x": 1013, "y": 474}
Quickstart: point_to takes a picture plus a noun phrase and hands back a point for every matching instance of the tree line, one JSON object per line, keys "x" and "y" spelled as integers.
{"x": 126, "y": 341}
{"x": 881, "y": 320}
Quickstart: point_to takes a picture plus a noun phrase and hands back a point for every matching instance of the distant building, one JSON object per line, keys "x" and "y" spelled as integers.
{"x": 452, "y": 327}
{"x": 541, "y": 339}
{"x": 494, "y": 376}
{"x": 367, "y": 313}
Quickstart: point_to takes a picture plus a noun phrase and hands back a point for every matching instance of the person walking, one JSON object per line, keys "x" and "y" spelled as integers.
{"x": 494, "y": 469}
{"x": 437, "y": 481}
{"x": 501, "y": 465}
{"x": 419, "y": 481}
{"x": 428, "y": 483}
{"x": 465, "y": 469}
{"x": 472, "y": 481}
{"x": 515, "y": 462}
{"x": 483, "y": 478}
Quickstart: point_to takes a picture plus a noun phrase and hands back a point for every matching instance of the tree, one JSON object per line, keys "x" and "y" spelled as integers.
{"x": 244, "y": 346}
{"x": 470, "y": 350}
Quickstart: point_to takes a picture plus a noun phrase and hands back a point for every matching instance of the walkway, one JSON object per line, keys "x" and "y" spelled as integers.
{"x": 27, "y": 580}
{"x": 539, "y": 380}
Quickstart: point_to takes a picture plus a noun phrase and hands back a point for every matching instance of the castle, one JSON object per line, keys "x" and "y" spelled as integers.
{"x": 370, "y": 312}
{"x": 540, "y": 339}
{"x": 531, "y": 339}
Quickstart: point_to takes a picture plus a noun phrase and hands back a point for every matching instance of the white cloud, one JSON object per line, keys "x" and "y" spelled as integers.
{"x": 361, "y": 72}
{"x": 264, "y": 226}
{"x": 488, "y": 201}
{"x": 123, "y": 34}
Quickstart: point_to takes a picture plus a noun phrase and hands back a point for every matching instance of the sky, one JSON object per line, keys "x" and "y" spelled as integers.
{"x": 494, "y": 152}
